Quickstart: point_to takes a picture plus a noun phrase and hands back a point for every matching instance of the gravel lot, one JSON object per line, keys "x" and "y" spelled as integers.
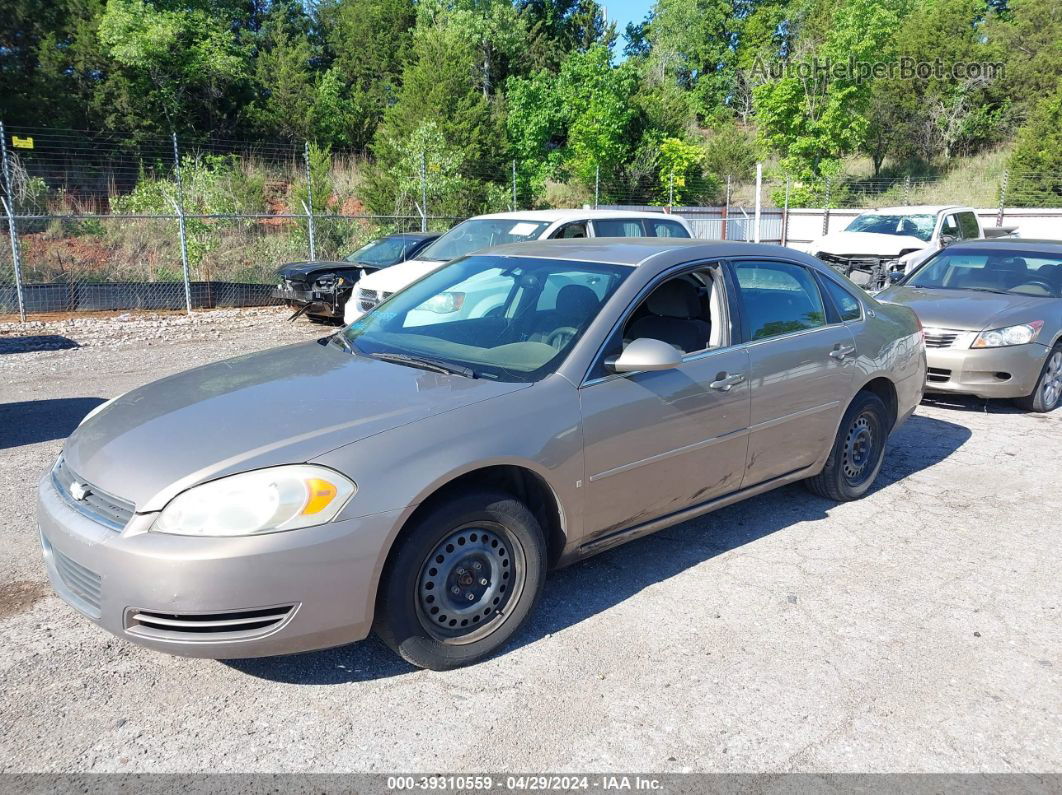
{"x": 916, "y": 630}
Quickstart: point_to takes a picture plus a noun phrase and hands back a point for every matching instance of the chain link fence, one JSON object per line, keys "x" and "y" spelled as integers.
{"x": 96, "y": 222}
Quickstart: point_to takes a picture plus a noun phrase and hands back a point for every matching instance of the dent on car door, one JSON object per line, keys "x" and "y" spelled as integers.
{"x": 657, "y": 442}
{"x": 801, "y": 371}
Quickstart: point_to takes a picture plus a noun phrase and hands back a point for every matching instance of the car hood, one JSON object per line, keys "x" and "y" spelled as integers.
{"x": 842, "y": 243}
{"x": 969, "y": 310}
{"x": 294, "y": 269}
{"x": 393, "y": 279}
{"x": 280, "y": 406}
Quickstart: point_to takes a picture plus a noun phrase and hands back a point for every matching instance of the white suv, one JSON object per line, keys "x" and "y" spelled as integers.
{"x": 485, "y": 231}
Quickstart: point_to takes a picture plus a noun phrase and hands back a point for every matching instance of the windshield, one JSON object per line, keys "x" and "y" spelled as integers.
{"x": 1004, "y": 271}
{"x": 479, "y": 233}
{"x": 502, "y": 318}
{"x": 920, "y": 226}
{"x": 383, "y": 252}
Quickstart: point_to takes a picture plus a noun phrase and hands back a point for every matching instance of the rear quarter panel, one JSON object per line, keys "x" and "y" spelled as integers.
{"x": 890, "y": 345}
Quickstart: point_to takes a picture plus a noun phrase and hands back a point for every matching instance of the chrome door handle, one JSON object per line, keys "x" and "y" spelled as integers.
{"x": 727, "y": 382}
{"x": 842, "y": 352}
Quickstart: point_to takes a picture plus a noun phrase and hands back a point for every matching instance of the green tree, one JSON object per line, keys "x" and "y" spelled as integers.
{"x": 370, "y": 43}
{"x": 1036, "y": 163}
{"x": 185, "y": 64}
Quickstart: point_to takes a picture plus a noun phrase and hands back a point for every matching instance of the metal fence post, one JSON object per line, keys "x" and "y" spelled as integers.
{"x": 1002, "y": 196}
{"x": 514, "y": 185}
{"x": 726, "y": 209}
{"x": 826, "y": 210}
{"x": 785, "y": 213}
{"x": 178, "y": 205}
{"x": 597, "y": 186}
{"x": 423, "y": 191}
{"x": 671, "y": 191}
{"x": 907, "y": 191}
{"x": 759, "y": 201}
{"x": 12, "y": 225}
{"x": 308, "y": 204}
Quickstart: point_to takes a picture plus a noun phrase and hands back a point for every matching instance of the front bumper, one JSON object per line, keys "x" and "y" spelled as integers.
{"x": 221, "y": 598}
{"x": 1008, "y": 372}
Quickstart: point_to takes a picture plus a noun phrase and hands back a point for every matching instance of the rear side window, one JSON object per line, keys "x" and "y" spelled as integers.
{"x": 847, "y": 305}
{"x": 619, "y": 227}
{"x": 777, "y": 298}
{"x": 665, "y": 227}
{"x": 968, "y": 227}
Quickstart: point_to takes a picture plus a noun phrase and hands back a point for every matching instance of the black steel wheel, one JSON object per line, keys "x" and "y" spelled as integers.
{"x": 857, "y": 453}
{"x": 468, "y": 581}
{"x": 462, "y": 578}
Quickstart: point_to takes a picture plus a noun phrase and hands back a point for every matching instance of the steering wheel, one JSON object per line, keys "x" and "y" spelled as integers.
{"x": 560, "y": 337}
{"x": 1050, "y": 288}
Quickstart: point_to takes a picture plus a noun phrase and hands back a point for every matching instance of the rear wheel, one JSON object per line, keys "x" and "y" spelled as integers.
{"x": 462, "y": 581}
{"x": 1048, "y": 391}
{"x": 857, "y": 453}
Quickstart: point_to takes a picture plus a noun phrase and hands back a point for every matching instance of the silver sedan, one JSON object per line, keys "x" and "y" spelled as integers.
{"x": 418, "y": 472}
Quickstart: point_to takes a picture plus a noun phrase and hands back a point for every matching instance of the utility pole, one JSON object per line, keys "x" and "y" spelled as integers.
{"x": 423, "y": 191}
{"x": 178, "y": 205}
{"x": 759, "y": 189}
{"x": 9, "y": 208}
{"x": 308, "y": 206}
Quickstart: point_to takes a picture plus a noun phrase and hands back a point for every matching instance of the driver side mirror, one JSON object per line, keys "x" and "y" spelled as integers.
{"x": 645, "y": 353}
{"x": 947, "y": 240}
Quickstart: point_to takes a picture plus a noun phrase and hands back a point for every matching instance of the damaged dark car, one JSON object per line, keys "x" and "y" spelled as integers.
{"x": 319, "y": 289}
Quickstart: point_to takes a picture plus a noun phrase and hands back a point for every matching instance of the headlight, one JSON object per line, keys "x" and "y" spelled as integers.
{"x": 262, "y": 501}
{"x": 444, "y": 303}
{"x": 1011, "y": 335}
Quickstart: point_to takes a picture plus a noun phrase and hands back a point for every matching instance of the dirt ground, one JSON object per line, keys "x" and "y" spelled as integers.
{"x": 919, "y": 629}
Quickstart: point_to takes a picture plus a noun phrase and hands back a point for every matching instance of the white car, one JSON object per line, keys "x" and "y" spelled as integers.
{"x": 890, "y": 239}
{"x": 485, "y": 231}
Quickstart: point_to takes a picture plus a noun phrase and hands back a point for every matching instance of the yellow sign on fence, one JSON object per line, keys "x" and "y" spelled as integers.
{"x": 22, "y": 143}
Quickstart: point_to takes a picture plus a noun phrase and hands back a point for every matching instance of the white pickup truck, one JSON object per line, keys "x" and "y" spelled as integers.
{"x": 878, "y": 243}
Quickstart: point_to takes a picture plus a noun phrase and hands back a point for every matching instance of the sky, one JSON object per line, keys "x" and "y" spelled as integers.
{"x": 624, "y": 11}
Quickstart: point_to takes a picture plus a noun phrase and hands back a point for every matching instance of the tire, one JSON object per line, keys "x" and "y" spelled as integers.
{"x": 485, "y": 544}
{"x": 857, "y": 453}
{"x": 1048, "y": 391}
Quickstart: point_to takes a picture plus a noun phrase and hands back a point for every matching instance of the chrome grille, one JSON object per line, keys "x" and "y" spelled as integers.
{"x": 939, "y": 338}
{"x": 97, "y": 505}
{"x": 367, "y": 299}
{"x": 81, "y": 583}
{"x": 233, "y": 625}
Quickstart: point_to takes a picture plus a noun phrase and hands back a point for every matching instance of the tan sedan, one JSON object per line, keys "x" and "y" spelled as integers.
{"x": 419, "y": 471}
{"x": 992, "y": 311}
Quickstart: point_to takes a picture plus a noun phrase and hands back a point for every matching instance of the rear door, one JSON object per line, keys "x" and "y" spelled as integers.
{"x": 800, "y": 364}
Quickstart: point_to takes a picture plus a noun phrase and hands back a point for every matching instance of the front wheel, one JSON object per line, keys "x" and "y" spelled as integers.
{"x": 462, "y": 580}
{"x": 857, "y": 453}
{"x": 1048, "y": 391}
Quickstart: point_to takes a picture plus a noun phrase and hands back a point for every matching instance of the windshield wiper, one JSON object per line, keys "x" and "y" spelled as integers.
{"x": 988, "y": 290}
{"x": 426, "y": 363}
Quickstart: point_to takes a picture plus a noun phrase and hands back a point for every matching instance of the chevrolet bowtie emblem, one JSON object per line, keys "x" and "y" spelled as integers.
{"x": 79, "y": 491}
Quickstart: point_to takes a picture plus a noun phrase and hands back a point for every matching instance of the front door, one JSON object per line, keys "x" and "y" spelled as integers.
{"x": 658, "y": 442}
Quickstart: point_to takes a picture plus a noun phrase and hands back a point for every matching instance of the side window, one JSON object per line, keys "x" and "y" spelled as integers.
{"x": 572, "y": 230}
{"x": 665, "y": 228}
{"x": 777, "y": 298}
{"x": 848, "y": 306}
{"x": 950, "y": 226}
{"x": 968, "y": 227}
{"x": 618, "y": 227}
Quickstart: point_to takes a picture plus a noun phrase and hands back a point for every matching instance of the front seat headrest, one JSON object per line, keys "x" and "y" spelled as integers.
{"x": 675, "y": 298}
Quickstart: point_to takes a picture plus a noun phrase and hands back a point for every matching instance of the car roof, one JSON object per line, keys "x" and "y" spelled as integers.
{"x": 1023, "y": 243}
{"x": 916, "y": 209}
{"x": 634, "y": 251}
{"x": 552, "y": 216}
